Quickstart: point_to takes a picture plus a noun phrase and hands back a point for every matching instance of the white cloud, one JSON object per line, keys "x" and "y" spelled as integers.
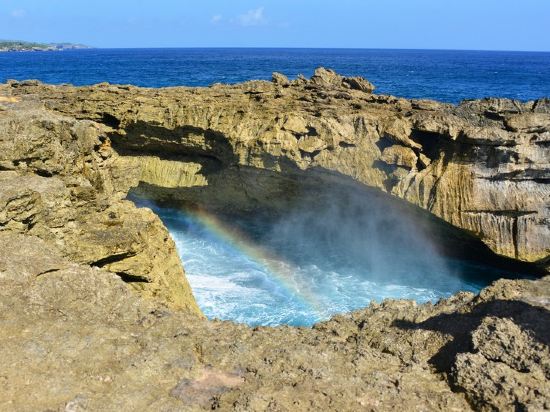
{"x": 18, "y": 13}
{"x": 216, "y": 19}
{"x": 253, "y": 17}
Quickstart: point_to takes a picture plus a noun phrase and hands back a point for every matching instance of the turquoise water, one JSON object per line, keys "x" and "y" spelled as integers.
{"x": 301, "y": 273}
{"x": 435, "y": 74}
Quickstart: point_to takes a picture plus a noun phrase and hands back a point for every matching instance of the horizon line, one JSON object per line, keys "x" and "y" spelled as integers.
{"x": 89, "y": 47}
{"x": 312, "y": 48}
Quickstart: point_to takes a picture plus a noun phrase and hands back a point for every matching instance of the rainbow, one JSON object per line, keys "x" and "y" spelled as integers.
{"x": 279, "y": 270}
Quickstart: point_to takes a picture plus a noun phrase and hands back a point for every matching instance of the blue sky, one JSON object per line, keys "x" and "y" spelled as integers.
{"x": 432, "y": 24}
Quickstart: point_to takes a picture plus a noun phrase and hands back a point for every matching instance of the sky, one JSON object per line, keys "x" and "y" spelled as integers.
{"x": 407, "y": 24}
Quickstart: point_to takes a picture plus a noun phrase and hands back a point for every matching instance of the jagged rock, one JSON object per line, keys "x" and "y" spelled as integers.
{"x": 399, "y": 130}
{"x": 474, "y": 171}
{"x": 280, "y": 79}
{"x": 326, "y": 78}
{"x": 329, "y": 78}
{"x": 75, "y": 334}
{"x": 78, "y": 335}
{"x": 399, "y": 156}
{"x": 311, "y": 144}
{"x": 508, "y": 369}
{"x": 63, "y": 184}
{"x": 296, "y": 125}
{"x": 528, "y": 122}
{"x": 358, "y": 83}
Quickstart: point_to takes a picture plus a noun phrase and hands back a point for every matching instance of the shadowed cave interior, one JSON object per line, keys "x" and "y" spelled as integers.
{"x": 267, "y": 248}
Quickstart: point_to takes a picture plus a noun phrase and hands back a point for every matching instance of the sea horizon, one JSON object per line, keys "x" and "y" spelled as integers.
{"x": 90, "y": 47}
{"x": 436, "y": 74}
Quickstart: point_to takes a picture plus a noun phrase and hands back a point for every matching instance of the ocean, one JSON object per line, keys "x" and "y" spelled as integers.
{"x": 448, "y": 76}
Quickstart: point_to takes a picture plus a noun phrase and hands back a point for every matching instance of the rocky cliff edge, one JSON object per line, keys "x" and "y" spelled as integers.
{"x": 482, "y": 166}
{"x": 95, "y": 311}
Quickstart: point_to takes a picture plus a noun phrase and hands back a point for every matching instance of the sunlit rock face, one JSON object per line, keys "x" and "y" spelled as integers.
{"x": 481, "y": 166}
{"x": 60, "y": 181}
{"x": 76, "y": 335}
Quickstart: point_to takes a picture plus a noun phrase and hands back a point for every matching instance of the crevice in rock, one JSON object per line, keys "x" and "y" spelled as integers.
{"x": 29, "y": 222}
{"x": 312, "y": 131}
{"x": 433, "y": 143}
{"x": 492, "y": 115}
{"x": 47, "y": 271}
{"x": 516, "y": 177}
{"x": 309, "y": 155}
{"x": 383, "y": 143}
{"x": 345, "y": 145}
{"x": 109, "y": 120}
{"x": 515, "y": 236}
{"x": 43, "y": 173}
{"x": 112, "y": 259}
{"x": 131, "y": 278}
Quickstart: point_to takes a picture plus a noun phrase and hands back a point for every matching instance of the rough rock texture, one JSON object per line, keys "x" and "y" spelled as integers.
{"x": 76, "y": 335}
{"x": 60, "y": 181}
{"x": 76, "y": 338}
{"x": 482, "y": 165}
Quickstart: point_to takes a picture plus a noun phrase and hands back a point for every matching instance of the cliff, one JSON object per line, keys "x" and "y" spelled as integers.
{"x": 61, "y": 182}
{"x": 95, "y": 309}
{"x": 482, "y": 166}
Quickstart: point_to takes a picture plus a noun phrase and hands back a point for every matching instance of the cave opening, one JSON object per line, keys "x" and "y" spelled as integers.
{"x": 264, "y": 248}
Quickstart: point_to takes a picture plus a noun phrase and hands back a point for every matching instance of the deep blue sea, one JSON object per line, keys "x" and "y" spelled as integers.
{"x": 448, "y": 76}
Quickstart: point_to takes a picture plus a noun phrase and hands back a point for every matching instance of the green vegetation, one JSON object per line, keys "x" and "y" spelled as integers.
{"x": 16, "y": 45}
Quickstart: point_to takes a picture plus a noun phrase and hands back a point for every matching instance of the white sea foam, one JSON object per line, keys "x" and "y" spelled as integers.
{"x": 231, "y": 285}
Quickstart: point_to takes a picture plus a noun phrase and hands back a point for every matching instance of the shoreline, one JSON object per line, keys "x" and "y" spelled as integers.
{"x": 85, "y": 267}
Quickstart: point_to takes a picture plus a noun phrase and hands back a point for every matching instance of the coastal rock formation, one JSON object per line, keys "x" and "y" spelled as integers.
{"x": 60, "y": 181}
{"x": 95, "y": 310}
{"x": 76, "y": 338}
{"x": 482, "y": 166}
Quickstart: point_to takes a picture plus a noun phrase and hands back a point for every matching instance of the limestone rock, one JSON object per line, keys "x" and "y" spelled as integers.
{"x": 73, "y": 336}
{"x": 399, "y": 156}
{"x": 358, "y": 83}
{"x": 326, "y": 78}
{"x": 76, "y": 335}
{"x": 400, "y": 131}
{"x": 528, "y": 122}
{"x": 509, "y": 368}
{"x": 483, "y": 165}
{"x": 311, "y": 144}
{"x": 329, "y": 78}
{"x": 63, "y": 183}
{"x": 280, "y": 79}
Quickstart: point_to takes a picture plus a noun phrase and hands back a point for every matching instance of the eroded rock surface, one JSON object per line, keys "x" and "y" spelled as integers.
{"x": 77, "y": 337}
{"x": 60, "y": 181}
{"x": 482, "y": 165}
{"x": 73, "y": 253}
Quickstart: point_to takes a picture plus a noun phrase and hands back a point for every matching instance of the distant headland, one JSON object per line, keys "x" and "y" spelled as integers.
{"x": 16, "y": 46}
